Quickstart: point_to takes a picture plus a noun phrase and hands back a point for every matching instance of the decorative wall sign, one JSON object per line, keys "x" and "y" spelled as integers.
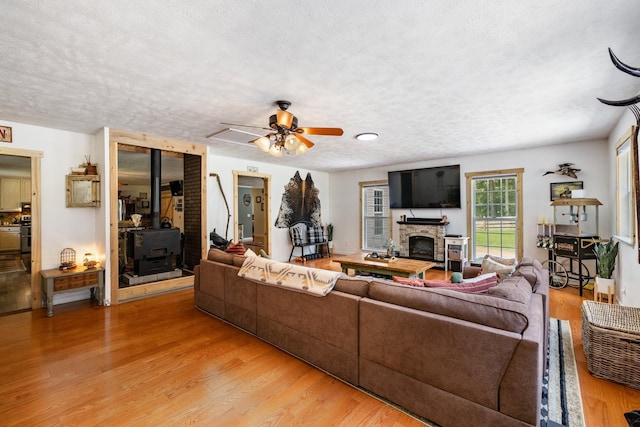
{"x": 5, "y": 134}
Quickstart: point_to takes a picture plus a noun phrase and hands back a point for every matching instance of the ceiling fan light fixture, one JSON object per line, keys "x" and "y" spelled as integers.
{"x": 263, "y": 143}
{"x": 302, "y": 149}
{"x": 367, "y": 136}
{"x": 276, "y": 150}
{"x": 284, "y": 119}
{"x": 291, "y": 143}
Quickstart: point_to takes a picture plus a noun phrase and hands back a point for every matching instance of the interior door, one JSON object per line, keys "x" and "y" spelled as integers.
{"x": 259, "y": 186}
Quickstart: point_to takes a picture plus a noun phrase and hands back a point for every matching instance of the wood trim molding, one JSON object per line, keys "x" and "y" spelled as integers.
{"x": 519, "y": 172}
{"x": 36, "y": 223}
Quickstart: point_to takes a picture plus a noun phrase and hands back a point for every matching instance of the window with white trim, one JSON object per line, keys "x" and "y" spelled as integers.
{"x": 375, "y": 215}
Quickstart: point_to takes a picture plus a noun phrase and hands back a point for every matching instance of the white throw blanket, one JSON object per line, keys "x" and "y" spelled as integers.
{"x": 296, "y": 277}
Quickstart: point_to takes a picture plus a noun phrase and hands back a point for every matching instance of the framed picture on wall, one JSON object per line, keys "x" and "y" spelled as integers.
{"x": 562, "y": 190}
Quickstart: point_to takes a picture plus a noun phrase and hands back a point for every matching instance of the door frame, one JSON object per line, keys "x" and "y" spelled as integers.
{"x": 117, "y": 137}
{"x": 266, "y": 179}
{"x": 36, "y": 222}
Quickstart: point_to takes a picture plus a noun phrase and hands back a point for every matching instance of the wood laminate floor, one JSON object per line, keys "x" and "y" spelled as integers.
{"x": 15, "y": 284}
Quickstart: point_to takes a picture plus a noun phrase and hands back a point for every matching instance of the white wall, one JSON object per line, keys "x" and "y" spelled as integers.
{"x": 587, "y": 156}
{"x": 627, "y": 270}
{"x": 78, "y": 228}
{"x": 280, "y": 176}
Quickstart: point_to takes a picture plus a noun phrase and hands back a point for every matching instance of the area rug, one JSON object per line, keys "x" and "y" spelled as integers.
{"x": 561, "y": 398}
{"x": 12, "y": 266}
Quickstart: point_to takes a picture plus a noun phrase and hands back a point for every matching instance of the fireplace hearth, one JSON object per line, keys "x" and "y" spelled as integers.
{"x": 421, "y": 247}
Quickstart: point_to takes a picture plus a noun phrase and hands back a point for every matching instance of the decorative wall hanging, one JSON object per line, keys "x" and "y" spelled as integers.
{"x": 564, "y": 169}
{"x": 632, "y": 104}
{"x": 300, "y": 202}
{"x": 562, "y": 190}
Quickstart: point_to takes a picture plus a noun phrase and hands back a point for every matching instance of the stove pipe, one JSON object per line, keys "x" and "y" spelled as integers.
{"x": 156, "y": 173}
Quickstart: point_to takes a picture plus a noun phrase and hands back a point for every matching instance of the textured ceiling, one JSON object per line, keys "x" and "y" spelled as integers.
{"x": 434, "y": 78}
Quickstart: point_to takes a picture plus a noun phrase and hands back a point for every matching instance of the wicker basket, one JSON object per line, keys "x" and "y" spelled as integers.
{"x": 611, "y": 342}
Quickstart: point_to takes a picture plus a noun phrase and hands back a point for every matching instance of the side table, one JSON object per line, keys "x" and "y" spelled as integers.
{"x": 55, "y": 281}
{"x": 455, "y": 249}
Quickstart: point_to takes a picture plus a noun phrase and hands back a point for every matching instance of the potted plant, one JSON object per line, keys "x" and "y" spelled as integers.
{"x": 393, "y": 248}
{"x": 606, "y": 253}
{"x": 330, "y": 236}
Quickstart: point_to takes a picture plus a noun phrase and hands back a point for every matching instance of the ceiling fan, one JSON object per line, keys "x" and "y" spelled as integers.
{"x": 285, "y": 135}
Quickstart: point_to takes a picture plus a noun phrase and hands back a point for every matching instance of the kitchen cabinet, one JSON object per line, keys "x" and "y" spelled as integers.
{"x": 10, "y": 194}
{"x": 25, "y": 189}
{"x": 10, "y": 239}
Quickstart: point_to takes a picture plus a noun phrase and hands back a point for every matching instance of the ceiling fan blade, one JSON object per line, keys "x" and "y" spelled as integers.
{"x": 284, "y": 118}
{"x": 246, "y": 126}
{"x": 321, "y": 131}
{"x": 305, "y": 141}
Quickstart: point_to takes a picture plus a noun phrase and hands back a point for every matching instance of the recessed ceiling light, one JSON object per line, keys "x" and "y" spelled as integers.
{"x": 367, "y": 136}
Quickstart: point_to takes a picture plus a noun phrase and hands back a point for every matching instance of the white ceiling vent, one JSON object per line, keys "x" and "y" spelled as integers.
{"x": 235, "y": 136}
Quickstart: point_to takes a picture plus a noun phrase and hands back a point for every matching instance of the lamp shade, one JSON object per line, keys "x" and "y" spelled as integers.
{"x": 291, "y": 142}
{"x": 263, "y": 143}
{"x": 275, "y": 150}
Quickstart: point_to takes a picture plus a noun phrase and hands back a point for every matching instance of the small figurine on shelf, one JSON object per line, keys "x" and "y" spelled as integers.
{"x": 67, "y": 259}
{"x": 89, "y": 260}
{"x": 90, "y": 169}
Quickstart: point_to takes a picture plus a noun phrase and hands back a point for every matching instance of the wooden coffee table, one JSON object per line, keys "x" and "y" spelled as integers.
{"x": 402, "y": 267}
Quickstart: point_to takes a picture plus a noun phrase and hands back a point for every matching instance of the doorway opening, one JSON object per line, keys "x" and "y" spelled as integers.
{"x": 252, "y": 213}
{"x": 20, "y": 236}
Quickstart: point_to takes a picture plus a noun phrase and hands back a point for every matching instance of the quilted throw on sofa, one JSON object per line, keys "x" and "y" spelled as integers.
{"x": 296, "y": 277}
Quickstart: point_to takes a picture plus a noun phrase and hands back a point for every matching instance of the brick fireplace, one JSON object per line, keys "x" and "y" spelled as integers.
{"x": 423, "y": 240}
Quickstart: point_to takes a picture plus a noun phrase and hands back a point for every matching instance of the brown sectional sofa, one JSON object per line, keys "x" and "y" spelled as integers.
{"x": 450, "y": 357}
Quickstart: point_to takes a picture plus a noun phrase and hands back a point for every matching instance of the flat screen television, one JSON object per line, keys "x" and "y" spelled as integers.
{"x": 437, "y": 187}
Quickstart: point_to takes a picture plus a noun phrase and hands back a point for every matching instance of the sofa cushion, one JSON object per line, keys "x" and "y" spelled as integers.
{"x": 354, "y": 285}
{"x": 515, "y": 289}
{"x": 236, "y": 248}
{"x": 263, "y": 254}
{"x": 315, "y": 234}
{"x": 477, "y": 308}
{"x": 532, "y": 274}
{"x": 220, "y": 256}
{"x": 532, "y": 262}
{"x": 296, "y": 235}
{"x": 476, "y": 285}
{"x": 503, "y": 267}
{"x": 238, "y": 260}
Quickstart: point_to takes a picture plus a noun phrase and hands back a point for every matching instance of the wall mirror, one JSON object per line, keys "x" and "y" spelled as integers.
{"x": 625, "y": 206}
{"x": 83, "y": 191}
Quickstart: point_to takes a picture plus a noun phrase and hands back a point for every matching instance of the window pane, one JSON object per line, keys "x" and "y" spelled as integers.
{"x": 375, "y": 221}
{"x": 494, "y": 216}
